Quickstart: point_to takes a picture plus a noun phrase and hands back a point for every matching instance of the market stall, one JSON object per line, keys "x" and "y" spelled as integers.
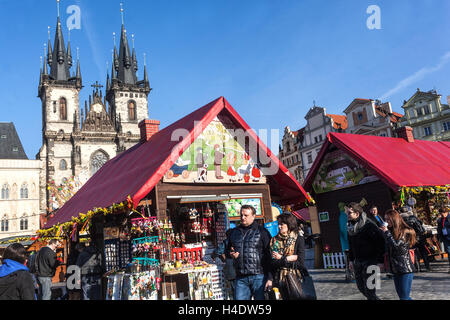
{"x": 381, "y": 171}
{"x": 160, "y": 209}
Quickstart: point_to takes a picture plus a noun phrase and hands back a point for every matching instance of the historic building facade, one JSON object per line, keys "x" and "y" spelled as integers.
{"x": 77, "y": 138}
{"x": 288, "y": 153}
{"x": 19, "y": 183}
{"x": 429, "y": 118}
{"x": 371, "y": 117}
{"x": 300, "y": 148}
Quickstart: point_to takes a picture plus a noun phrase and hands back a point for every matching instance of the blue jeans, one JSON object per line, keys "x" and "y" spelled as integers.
{"x": 248, "y": 286}
{"x": 403, "y": 283}
{"x": 45, "y": 288}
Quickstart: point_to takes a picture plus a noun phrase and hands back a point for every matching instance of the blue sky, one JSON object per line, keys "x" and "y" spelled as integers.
{"x": 269, "y": 58}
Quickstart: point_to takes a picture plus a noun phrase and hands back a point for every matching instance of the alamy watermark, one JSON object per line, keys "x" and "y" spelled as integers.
{"x": 374, "y": 20}
{"x": 374, "y": 280}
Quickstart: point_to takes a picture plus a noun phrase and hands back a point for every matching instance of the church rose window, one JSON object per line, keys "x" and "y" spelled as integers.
{"x": 98, "y": 160}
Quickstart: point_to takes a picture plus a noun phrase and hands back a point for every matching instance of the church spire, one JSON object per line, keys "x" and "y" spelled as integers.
{"x": 78, "y": 75}
{"x": 60, "y": 61}
{"x": 69, "y": 53}
{"x": 126, "y": 65}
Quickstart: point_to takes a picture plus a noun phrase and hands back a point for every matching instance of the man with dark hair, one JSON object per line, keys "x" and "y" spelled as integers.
{"x": 16, "y": 282}
{"x": 367, "y": 247}
{"x": 46, "y": 264}
{"x": 374, "y": 216}
{"x": 249, "y": 246}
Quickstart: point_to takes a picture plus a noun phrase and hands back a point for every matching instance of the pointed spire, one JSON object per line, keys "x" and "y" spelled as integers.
{"x": 78, "y": 75}
{"x": 133, "y": 58}
{"x": 40, "y": 74}
{"x": 121, "y": 12}
{"x": 146, "y": 82}
{"x": 60, "y": 61}
{"x": 69, "y": 53}
{"x": 44, "y": 66}
{"x": 115, "y": 55}
{"x": 50, "y": 51}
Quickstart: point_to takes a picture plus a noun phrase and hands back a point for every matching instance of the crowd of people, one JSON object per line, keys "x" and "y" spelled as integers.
{"x": 396, "y": 242}
{"x": 256, "y": 265}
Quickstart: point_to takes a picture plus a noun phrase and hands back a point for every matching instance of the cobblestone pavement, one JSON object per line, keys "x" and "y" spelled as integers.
{"x": 435, "y": 285}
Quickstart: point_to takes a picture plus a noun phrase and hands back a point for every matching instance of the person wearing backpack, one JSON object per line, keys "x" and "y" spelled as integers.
{"x": 420, "y": 246}
{"x": 90, "y": 263}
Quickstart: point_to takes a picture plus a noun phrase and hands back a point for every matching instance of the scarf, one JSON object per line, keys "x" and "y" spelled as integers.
{"x": 355, "y": 226}
{"x": 284, "y": 244}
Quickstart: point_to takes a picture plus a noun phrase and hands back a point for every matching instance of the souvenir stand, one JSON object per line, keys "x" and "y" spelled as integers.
{"x": 377, "y": 171}
{"x": 162, "y": 207}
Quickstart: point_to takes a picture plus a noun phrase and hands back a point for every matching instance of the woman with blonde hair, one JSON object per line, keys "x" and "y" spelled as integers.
{"x": 400, "y": 239}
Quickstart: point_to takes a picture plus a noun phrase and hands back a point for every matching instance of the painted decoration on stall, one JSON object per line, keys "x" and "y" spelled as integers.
{"x": 234, "y": 206}
{"x": 216, "y": 157}
{"x": 339, "y": 171}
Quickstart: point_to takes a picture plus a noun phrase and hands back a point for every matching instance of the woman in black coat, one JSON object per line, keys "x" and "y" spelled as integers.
{"x": 16, "y": 282}
{"x": 400, "y": 238}
{"x": 288, "y": 251}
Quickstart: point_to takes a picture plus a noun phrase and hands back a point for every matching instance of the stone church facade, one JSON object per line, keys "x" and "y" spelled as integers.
{"x": 78, "y": 138}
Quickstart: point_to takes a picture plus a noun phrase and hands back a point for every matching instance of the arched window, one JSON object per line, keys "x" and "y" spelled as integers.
{"x": 24, "y": 191}
{"x": 5, "y": 192}
{"x": 24, "y": 222}
{"x": 132, "y": 110}
{"x": 63, "y": 109}
{"x": 4, "y": 224}
{"x": 63, "y": 165}
{"x": 98, "y": 159}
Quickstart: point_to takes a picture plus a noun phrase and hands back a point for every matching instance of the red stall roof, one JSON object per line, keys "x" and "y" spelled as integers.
{"x": 136, "y": 171}
{"x": 395, "y": 161}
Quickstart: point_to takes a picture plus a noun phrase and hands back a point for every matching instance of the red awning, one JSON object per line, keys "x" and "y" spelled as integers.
{"x": 395, "y": 161}
{"x": 136, "y": 171}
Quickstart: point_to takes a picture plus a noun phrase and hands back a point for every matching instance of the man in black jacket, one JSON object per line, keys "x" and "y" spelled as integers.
{"x": 249, "y": 246}
{"x": 367, "y": 247}
{"x": 46, "y": 264}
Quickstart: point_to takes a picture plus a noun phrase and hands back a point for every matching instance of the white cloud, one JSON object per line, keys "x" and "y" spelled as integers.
{"x": 416, "y": 77}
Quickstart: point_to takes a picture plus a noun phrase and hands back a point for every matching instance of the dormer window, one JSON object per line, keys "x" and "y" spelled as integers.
{"x": 360, "y": 116}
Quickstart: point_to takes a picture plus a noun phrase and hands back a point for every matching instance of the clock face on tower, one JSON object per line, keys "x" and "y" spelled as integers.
{"x": 97, "y": 108}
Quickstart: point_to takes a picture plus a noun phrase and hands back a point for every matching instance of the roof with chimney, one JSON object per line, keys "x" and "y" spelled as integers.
{"x": 397, "y": 162}
{"x": 10, "y": 144}
{"x": 136, "y": 171}
{"x": 339, "y": 121}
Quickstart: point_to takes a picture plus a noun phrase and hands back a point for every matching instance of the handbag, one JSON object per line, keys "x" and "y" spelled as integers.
{"x": 293, "y": 286}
